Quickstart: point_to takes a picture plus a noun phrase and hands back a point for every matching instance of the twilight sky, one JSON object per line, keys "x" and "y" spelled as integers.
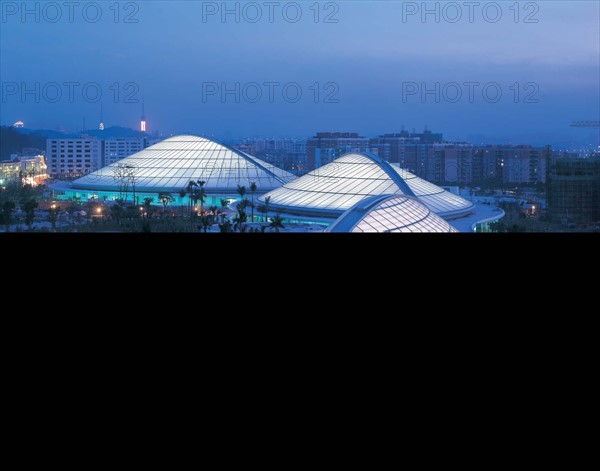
{"x": 362, "y": 64}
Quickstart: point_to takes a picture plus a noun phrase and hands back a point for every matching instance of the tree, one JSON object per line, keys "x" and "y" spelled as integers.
{"x": 182, "y": 194}
{"x": 117, "y": 211}
{"x": 224, "y": 204}
{"x": 252, "y": 191}
{"x": 121, "y": 178}
{"x": 214, "y": 211}
{"x": 165, "y": 199}
{"x": 277, "y": 223}
{"x": 239, "y": 221}
{"x": 147, "y": 202}
{"x": 241, "y": 191}
{"x": 267, "y": 202}
{"x": 7, "y": 209}
{"x": 243, "y": 204}
{"x": 190, "y": 190}
{"x": 261, "y": 209}
{"x": 131, "y": 176}
{"x": 53, "y": 215}
{"x": 29, "y": 207}
{"x": 225, "y": 227}
{"x": 201, "y": 195}
{"x": 205, "y": 222}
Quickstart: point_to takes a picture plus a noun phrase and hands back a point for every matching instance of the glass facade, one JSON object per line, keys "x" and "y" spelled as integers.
{"x": 339, "y": 185}
{"x": 171, "y": 164}
{"x": 390, "y": 214}
{"x": 440, "y": 201}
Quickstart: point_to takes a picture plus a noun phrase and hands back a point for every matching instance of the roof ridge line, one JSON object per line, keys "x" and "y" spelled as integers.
{"x": 387, "y": 168}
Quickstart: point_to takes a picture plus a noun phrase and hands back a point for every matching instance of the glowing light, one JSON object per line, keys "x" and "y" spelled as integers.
{"x": 143, "y": 125}
{"x": 19, "y": 124}
{"x": 99, "y": 210}
{"x": 29, "y": 181}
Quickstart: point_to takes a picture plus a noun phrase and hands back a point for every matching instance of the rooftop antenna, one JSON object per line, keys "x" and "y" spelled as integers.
{"x": 143, "y": 121}
{"x": 101, "y": 127}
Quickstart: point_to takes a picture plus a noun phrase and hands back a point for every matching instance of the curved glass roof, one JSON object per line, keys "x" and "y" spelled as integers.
{"x": 170, "y": 165}
{"x": 390, "y": 214}
{"x": 334, "y": 188}
{"x": 440, "y": 201}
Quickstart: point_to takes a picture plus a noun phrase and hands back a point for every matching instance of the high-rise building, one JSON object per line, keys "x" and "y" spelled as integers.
{"x": 327, "y": 146}
{"x": 117, "y": 149}
{"x": 499, "y": 165}
{"x": 71, "y": 158}
{"x": 413, "y": 151}
{"x": 29, "y": 169}
{"x": 574, "y": 190}
{"x": 456, "y": 160}
{"x": 286, "y": 153}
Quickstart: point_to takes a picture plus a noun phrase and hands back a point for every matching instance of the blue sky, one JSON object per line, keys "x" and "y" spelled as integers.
{"x": 368, "y": 54}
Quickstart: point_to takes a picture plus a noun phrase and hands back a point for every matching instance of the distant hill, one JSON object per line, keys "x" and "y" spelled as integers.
{"x": 13, "y": 142}
{"x": 46, "y": 133}
{"x": 114, "y": 132}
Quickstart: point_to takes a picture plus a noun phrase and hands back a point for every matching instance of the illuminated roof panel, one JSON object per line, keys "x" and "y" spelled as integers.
{"x": 170, "y": 164}
{"x": 354, "y": 177}
{"x": 399, "y": 213}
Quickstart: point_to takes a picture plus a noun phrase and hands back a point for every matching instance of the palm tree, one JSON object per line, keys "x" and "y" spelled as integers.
{"x": 267, "y": 202}
{"x": 277, "y": 223}
{"x": 224, "y": 204}
{"x": 147, "y": 202}
{"x": 201, "y": 195}
{"x": 252, "y": 191}
{"x": 190, "y": 189}
{"x": 182, "y": 194}
{"x": 241, "y": 191}
{"x": 240, "y": 220}
{"x": 243, "y": 204}
{"x": 165, "y": 199}
{"x": 261, "y": 209}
